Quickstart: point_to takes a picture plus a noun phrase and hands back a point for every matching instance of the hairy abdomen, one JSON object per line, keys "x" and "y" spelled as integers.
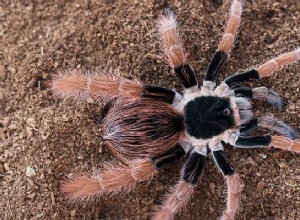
{"x": 142, "y": 128}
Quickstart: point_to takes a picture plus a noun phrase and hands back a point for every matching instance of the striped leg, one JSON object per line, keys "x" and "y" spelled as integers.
{"x": 182, "y": 192}
{"x": 114, "y": 179}
{"x": 267, "y": 141}
{"x": 78, "y": 85}
{"x": 173, "y": 50}
{"x": 235, "y": 188}
{"x": 267, "y": 69}
{"x": 227, "y": 41}
{"x": 234, "y": 184}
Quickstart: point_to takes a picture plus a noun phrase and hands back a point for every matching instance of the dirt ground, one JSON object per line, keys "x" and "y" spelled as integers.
{"x": 44, "y": 139}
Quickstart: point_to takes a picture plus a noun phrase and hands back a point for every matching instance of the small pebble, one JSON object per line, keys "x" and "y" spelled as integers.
{"x": 12, "y": 127}
{"x": 31, "y": 121}
{"x": 70, "y": 175}
{"x": 30, "y": 172}
{"x": 12, "y": 70}
{"x": 264, "y": 156}
{"x": 73, "y": 213}
{"x": 6, "y": 166}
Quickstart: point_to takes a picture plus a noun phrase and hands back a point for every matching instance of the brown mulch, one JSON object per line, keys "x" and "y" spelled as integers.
{"x": 43, "y": 139}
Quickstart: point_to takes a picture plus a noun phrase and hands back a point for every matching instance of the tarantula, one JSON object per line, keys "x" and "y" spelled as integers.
{"x": 150, "y": 127}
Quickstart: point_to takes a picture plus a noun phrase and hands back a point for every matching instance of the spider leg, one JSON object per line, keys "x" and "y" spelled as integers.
{"x": 114, "y": 179}
{"x": 168, "y": 157}
{"x": 227, "y": 41}
{"x": 285, "y": 143}
{"x": 267, "y": 141}
{"x": 235, "y": 186}
{"x": 79, "y": 85}
{"x": 261, "y": 93}
{"x": 267, "y": 69}
{"x": 161, "y": 94}
{"x": 173, "y": 49}
{"x": 253, "y": 141}
{"x": 181, "y": 193}
{"x": 248, "y": 128}
{"x": 270, "y": 123}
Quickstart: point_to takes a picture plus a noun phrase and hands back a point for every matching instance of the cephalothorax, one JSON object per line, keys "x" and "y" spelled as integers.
{"x": 150, "y": 127}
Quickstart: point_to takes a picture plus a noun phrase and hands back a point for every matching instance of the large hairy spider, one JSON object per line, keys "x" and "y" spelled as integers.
{"x": 150, "y": 127}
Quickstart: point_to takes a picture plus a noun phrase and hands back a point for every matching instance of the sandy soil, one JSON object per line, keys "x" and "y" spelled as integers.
{"x": 50, "y": 138}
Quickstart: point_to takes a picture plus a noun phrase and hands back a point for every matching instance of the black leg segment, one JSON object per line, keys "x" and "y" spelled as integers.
{"x": 193, "y": 168}
{"x": 186, "y": 75}
{"x": 159, "y": 93}
{"x": 246, "y": 129}
{"x": 105, "y": 110}
{"x": 253, "y": 142}
{"x": 241, "y": 77}
{"x": 215, "y": 65}
{"x": 244, "y": 91}
{"x": 222, "y": 163}
{"x": 168, "y": 157}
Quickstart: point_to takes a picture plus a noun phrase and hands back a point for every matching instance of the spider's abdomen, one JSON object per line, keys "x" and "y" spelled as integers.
{"x": 142, "y": 128}
{"x": 208, "y": 116}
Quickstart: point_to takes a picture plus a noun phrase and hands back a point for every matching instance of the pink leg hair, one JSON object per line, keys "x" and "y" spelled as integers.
{"x": 76, "y": 84}
{"x": 110, "y": 180}
{"x": 285, "y": 143}
{"x": 268, "y": 68}
{"x": 235, "y": 188}
{"x": 171, "y": 42}
{"x": 227, "y": 41}
{"x": 175, "y": 201}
